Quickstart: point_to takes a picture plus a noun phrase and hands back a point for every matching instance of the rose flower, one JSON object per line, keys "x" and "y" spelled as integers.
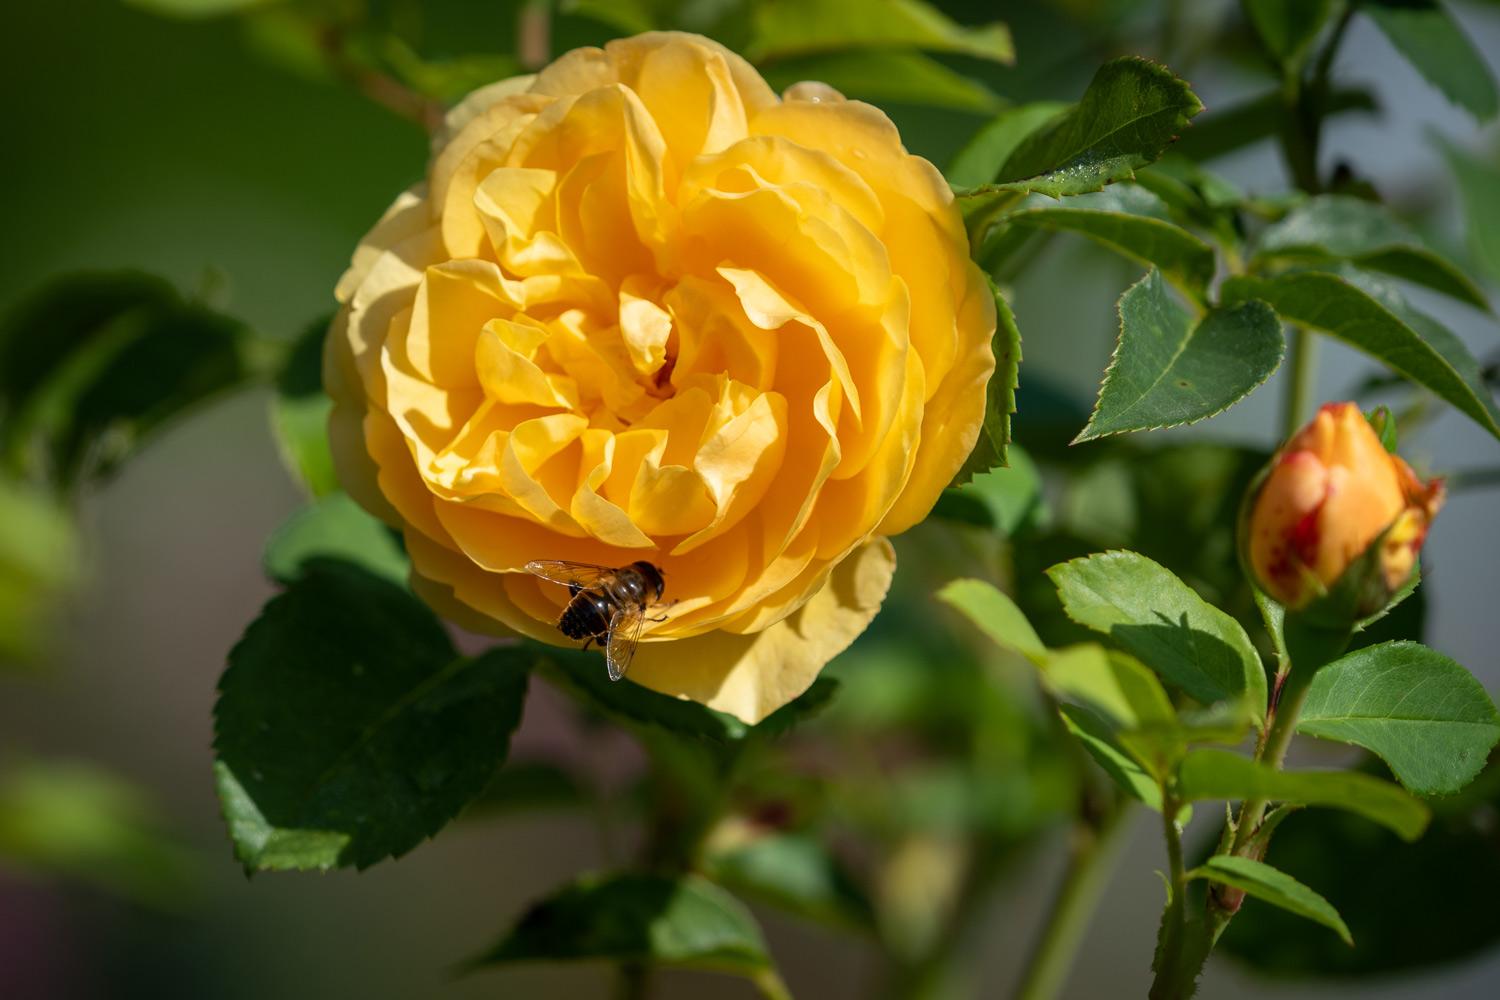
{"x": 1331, "y": 492}
{"x": 644, "y": 309}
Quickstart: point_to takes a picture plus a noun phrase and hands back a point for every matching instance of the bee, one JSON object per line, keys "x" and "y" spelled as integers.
{"x": 607, "y": 606}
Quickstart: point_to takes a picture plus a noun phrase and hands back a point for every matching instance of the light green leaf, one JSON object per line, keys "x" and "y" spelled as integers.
{"x": 1288, "y": 27}
{"x": 1007, "y": 500}
{"x": 1276, "y": 887}
{"x": 1367, "y": 235}
{"x": 1097, "y": 737}
{"x": 685, "y": 922}
{"x": 980, "y": 159}
{"x": 631, "y": 16}
{"x": 195, "y": 9}
{"x": 1132, "y": 221}
{"x": 1479, "y": 187}
{"x": 1147, "y": 610}
{"x": 1221, "y": 774}
{"x": 349, "y": 730}
{"x": 334, "y": 528}
{"x": 1167, "y": 372}
{"x": 1000, "y": 395}
{"x": 1113, "y": 685}
{"x": 782, "y": 28}
{"x": 996, "y": 615}
{"x": 886, "y": 76}
{"x": 1432, "y": 358}
{"x": 299, "y": 413}
{"x": 794, "y": 872}
{"x": 39, "y": 563}
{"x": 1424, "y": 715}
{"x": 1132, "y": 110}
{"x": 1425, "y": 33}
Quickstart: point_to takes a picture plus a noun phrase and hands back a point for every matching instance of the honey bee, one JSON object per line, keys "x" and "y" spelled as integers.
{"x": 607, "y": 606}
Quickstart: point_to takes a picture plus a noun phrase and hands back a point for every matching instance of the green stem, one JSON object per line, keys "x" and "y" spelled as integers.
{"x": 1302, "y": 382}
{"x": 1278, "y": 737}
{"x": 1096, "y": 850}
{"x": 1176, "y": 966}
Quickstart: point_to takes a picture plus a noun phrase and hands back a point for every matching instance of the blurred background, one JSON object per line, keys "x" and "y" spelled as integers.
{"x": 201, "y": 149}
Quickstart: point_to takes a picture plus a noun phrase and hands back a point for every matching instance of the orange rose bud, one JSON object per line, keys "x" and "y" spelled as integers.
{"x": 1331, "y": 492}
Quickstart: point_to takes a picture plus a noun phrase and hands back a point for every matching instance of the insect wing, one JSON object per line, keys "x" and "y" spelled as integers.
{"x": 624, "y": 634}
{"x": 569, "y": 574}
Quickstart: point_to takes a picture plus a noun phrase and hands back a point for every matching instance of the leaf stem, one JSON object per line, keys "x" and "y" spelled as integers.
{"x": 1096, "y": 849}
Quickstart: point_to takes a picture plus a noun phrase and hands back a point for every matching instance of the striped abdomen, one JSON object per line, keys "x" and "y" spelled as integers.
{"x": 587, "y": 615}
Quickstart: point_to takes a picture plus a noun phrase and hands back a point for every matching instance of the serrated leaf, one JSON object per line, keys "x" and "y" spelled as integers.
{"x": 783, "y": 28}
{"x": 996, "y": 615}
{"x": 886, "y": 76}
{"x": 1167, "y": 372}
{"x": 1220, "y": 774}
{"x": 93, "y": 364}
{"x": 999, "y": 395}
{"x": 1426, "y": 34}
{"x": 1288, "y": 27}
{"x": 1147, "y": 610}
{"x": 348, "y": 729}
{"x": 1276, "y": 887}
{"x": 1367, "y": 235}
{"x": 795, "y": 872}
{"x": 980, "y": 159}
{"x": 1433, "y": 358}
{"x": 334, "y": 528}
{"x": 299, "y": 413}
{"x": 1007, "y": 500}
{"x": 1420, "y": 712}
{"x": 1132, "y": 110}
{"x": 685, "y": 922}
{"x": 1479, "y": 187}
{"x": 1129, "y": 220}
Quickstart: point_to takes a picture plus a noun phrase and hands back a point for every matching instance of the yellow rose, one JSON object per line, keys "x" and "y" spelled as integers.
{"x": 1331, "y": 491}
{"x": 643, "y": 308}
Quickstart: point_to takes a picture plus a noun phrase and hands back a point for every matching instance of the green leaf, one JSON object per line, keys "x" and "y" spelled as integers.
{"x": 1132, "y": 221}
{"x": 39, "y": 563}
{"x": 999, "y": 395}
{"x": 1432, "y": 358}
{"x": 194, "y": 9}
{"x": 1147, "y": 610}
{"x": 583, "y": 674}
{"x": 996, "y": 615}
{"x": 631, "y": 16}
{"x": 1167, "y": 372}
{"x": 94, "y": 363}
{"x": 782, "y": 28}
{"x": 1007, "y": 500}
{"x": 1117, "y": 687}
{"x": 1224, "y": 130}
{"x": 1276, "y": 887}
{"x": 1220, "y": 774}
{"x": 1367, "y": 235}
{"x": 1288, "y": 27}
{"x": 334, "y": 528}
{"x": 980, "y": 159}
{"x": 348, "y": 729}
{"x": 686, "y": 922}
{"x": 1132, "y": 110}
{"x": 887, "y": 76}
{"x": 1097, "y": 737}
{"x": 1479, "y": 188}
{"x": 299, "y": 413}
{"x": 1424, "y": 715}
{"x": 1425, "y": 33}
{"x": 794, "y": 872}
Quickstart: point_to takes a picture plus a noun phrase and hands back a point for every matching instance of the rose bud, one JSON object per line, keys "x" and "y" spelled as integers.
{"x": 1331, "y": 494}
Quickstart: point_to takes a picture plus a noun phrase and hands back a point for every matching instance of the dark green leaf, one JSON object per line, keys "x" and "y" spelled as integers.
{"x": 1147, "y": 610}
{"x": 1225, "y": 130}
{"x": 795, "y": 872}
{"x": 299, "y": 413}
{"x": 1431, "y": 357}
{"x": 1426, "y": 34}
{"x": 1479, "y": 187}
{"x": 782, "y": 28}
{"x": 1132, "y": 110}
{"x": 685, "y": 922}
{"x": 1424, "y": 715}
{"x": 1000, "y": 396}
{"x": 334, "y": 528}
{"x": 980, "y": 159}
{"x": 1260, "y": 880}
{"x": 1007, "y": 500}
{"x": 1167, "y": 372}
{"x": 886, "y": 76}
{"x": 1132, "y": 221}
{"x": 1367, "y": 235}
{"x": 348, "y": 729}
{"x": 1288, "y": 27}
{"x": 1220, "y": 774}
{"x": 996, "y": 615}
{"x": 91, "y": 364}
